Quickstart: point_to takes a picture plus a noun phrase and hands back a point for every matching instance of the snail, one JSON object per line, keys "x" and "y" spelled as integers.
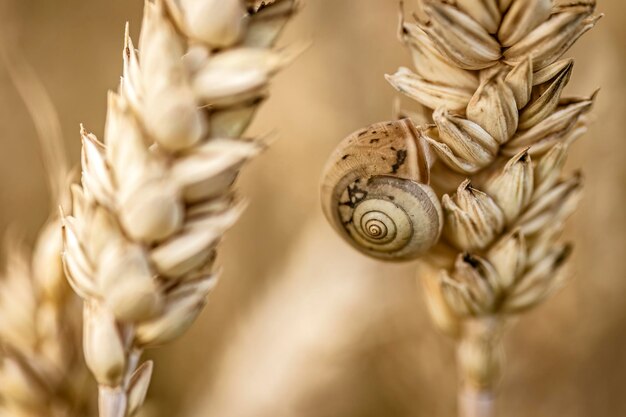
{"x": 375, "y": 192}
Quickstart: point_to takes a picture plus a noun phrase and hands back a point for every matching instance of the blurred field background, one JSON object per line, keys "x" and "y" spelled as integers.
{"x": 300, "y": 325}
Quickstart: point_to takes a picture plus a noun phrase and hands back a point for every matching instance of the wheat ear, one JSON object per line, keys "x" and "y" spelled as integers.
{"x": 157, "y": 193}
{"x": 489, "y": 76}
{"x": 41, "y": 369}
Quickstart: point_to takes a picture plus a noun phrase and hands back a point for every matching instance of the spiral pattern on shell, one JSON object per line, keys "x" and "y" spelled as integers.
{"x": 374, "y": 192}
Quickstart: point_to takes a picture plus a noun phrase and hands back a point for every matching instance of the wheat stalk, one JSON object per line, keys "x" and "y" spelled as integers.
{"x": 489, "y": 77}
{"x": 41, "y": 371}
{"x": 157, "y": 194}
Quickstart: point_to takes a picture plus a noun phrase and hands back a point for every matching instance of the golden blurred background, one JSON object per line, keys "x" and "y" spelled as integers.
{"x": 301, "y": 325}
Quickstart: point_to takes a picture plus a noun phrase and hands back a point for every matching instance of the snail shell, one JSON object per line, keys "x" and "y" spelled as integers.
{"x": 375, "y": 192}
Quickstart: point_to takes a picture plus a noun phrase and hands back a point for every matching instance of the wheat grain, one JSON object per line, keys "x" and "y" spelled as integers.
{"x": 489, "y": 77}
{"x": 157, "y": 194}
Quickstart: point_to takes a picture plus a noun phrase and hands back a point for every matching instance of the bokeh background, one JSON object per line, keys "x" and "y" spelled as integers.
{"x": 300, "y": 325}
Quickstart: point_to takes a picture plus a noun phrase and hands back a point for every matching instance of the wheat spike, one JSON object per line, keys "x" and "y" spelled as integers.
{"x": 41, "y": 369}
{"x": 157, "y": 193}
{"x": 489, "y": 77}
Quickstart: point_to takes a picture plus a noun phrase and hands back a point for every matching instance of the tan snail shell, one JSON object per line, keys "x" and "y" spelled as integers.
{"x": 375, "y": 192}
